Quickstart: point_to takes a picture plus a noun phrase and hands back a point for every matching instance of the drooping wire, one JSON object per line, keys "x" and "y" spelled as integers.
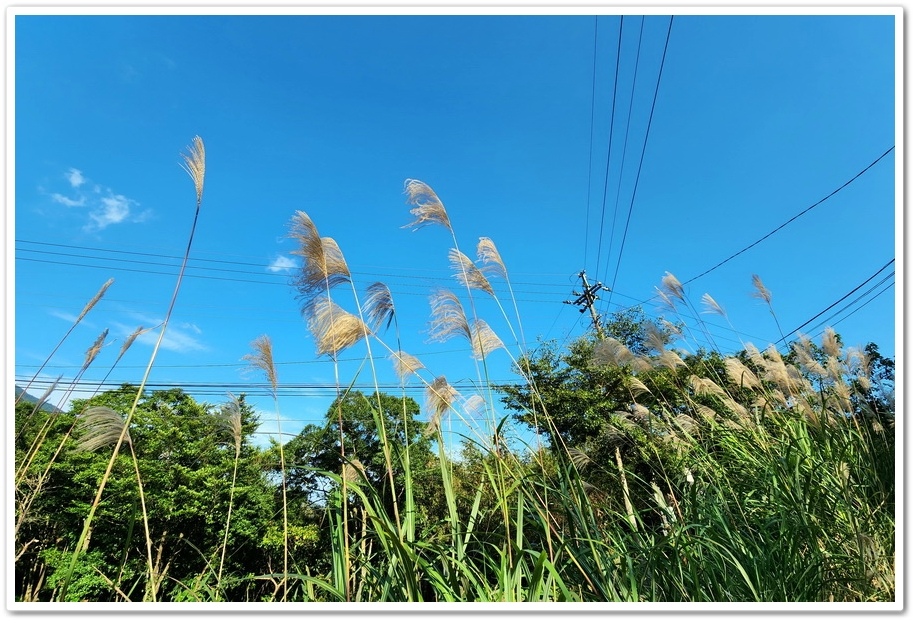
{"x": 811, "y": 207}
{"x": 642, "y": 155}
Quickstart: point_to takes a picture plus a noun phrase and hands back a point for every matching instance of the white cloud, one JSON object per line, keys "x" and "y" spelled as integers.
{"x": 75, "y": 176}
{"x": 193, "y": 327}
{"x": 62, "y": 315}
{"x": 281, "y": 263}
{"x": 112, "y": 209}
{"x": 70, "y": 203}
{"x": 175, "y": 339}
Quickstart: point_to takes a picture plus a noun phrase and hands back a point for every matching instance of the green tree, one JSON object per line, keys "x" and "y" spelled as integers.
{"x": 185, "y": 456}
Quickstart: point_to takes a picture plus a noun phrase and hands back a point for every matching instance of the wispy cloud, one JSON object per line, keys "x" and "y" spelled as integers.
{"x": 179, "y": 338}
{"x": 62, "y": 315}
{"x": 282, "y": 263}
{"x": 104, "y": 206}
{"x": 110, "y": 210}
{"x": 67, "y": 201}
{"x": 75, "y": 177}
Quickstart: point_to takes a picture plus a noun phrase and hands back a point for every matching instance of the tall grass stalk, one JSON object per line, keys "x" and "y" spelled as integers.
{"x": 195, "y": 163}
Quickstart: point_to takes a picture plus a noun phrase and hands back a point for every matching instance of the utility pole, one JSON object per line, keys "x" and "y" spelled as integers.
{"x": 586, "y": 300}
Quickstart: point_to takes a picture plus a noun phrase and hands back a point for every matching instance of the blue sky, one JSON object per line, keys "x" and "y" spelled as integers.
{"x": 753, "y": 120}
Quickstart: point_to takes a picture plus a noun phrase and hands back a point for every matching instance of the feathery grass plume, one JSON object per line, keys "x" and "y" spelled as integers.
{"x": 610, "y": 351}
{"x": 439, "y": 398}
{"x": 378, "y": 306}
{"x": 761, "y": 291}
{"x": 830, "y": 342}
{"x": 88, "y": 307}
{"x": 777, "y": 372}
{"x": 483, "y": 339}
{"x": 95, "y": 349}
{"x": 806, "y": 360}
{"x": 448, "y": 317}
{"x": 263, "y": 359}
{"x": 711, "y": 307}
{"x": 640, "y": 410}
{"x": 323, "y": 265}
{"x": 671, "y": 360}
{"x": 706, "y": 387}
{"x": 405, "y": 364}
{"x": 656, "y": 338}
{"x": 666, "y": 300}
{"x": 129, "y": 340}
{"x": 740, "y": 374}
{"x": 579, "y": 458}
{"x": 467, "y": 273}
{"x": 673, "y": 287}
{"x": 428, "y": 209}
{"x": 194, "y": 164}
{"x": 474, "y": 405}
{"x": 636, "y": 387}
{"x": 333, "y": 328}
{"x": 490, "y": 259}
{"x": 98, "y": 427}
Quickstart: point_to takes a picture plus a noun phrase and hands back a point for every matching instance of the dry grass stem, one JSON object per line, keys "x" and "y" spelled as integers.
{"x": 194, "y": 164}
{"x": 405, "y": 364}
{"x": 333, "y": 328}
{"x": 378, "y": 306}
{"x": 448, "y": 317}
{"x": 98, "y": 427}
{"x": 428, "y": 209}
{"x": 467, "y": 273}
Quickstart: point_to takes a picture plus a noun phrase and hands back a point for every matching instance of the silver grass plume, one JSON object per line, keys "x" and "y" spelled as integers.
{"x": 761, "y": 291}
{"x": 405, "y": 364}
{"x": 711, "y": 307}
{"x": 673, "y": 287}
{"x": 483, "y": 339}
{"x": 448, "y": 317}
{"x": 95, "y": 349}
{"x": 467, "y": 273}
{"x": 94, "y": 300}
{"x": 323, "y": 265}
{"x": 378, "y": 306}
{"x": 490, "y": 259}
{"x": 263, "y": 359}
{"x": 98, "y": 427}
{"x": 439, "y": 398}
{"x": 333, "y": 328}
{"x": 428, "y": 209}
{"x": 194, "y": 164}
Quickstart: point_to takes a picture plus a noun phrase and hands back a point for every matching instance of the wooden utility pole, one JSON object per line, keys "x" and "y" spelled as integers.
{"x": 586, "y": 300}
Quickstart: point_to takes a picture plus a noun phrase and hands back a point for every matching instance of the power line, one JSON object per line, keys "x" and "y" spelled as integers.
{"x": 626, "y": 141}
{"x": 610, "y": 138}
{"x": 838, "y": 301}
{"x": 811, "y": 207}
{"x": 643, "y": 154}
{"x": 591, "y": 138}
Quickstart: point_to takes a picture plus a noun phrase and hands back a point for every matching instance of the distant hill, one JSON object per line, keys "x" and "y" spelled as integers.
{"x": 46, "y": 406}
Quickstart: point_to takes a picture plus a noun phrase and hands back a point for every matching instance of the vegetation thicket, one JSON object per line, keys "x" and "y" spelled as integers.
{"x": 654, "y": 469}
